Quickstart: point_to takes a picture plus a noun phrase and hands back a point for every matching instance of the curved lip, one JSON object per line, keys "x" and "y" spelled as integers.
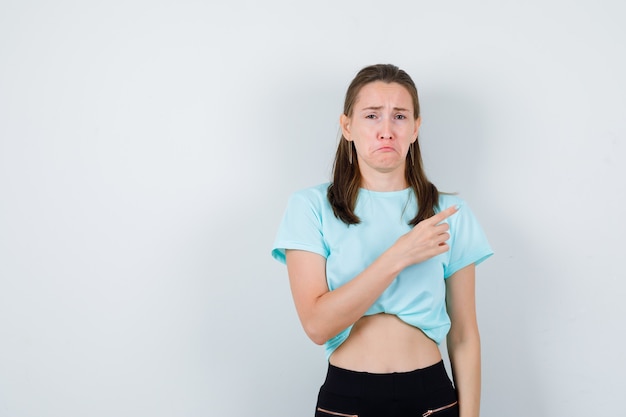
{"x": 386, "y": 148}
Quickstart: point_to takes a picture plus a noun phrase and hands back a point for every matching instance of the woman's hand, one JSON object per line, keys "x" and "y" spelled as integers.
{"x": 426, "y": 240}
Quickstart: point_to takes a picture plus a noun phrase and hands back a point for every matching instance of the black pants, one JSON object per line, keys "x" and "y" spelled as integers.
{"x": 423, "y": 392}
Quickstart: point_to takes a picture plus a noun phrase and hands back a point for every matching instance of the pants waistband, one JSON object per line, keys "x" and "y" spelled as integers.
{"x": 396, "y": 384}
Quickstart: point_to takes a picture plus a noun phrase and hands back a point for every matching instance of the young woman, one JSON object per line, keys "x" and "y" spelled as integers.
{"x": 381, "y": 266}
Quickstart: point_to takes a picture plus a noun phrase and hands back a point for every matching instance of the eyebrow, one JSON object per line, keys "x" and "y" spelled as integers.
{"x": 381, "y": 107}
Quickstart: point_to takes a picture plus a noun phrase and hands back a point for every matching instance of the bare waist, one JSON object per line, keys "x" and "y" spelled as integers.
{"x": 382, "y": 343}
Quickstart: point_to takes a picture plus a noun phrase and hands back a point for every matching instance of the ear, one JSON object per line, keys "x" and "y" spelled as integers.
{"x": 418, "y": 123}
{"x": 344, "y": 122}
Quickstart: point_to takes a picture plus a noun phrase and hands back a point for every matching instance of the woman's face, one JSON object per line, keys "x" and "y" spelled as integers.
{"x": 382, "y": 127}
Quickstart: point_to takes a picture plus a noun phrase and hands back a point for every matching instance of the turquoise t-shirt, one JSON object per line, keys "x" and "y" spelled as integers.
{"x": 417, "y": 295}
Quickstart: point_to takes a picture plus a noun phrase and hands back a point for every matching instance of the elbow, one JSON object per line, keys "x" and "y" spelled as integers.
{"x": 316, "y": 334}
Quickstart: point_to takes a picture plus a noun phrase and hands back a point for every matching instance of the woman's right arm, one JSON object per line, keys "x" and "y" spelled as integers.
{"x": 325, "y": 313}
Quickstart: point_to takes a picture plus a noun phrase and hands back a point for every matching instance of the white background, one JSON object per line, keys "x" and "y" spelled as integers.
{"x": 147, "y": 149}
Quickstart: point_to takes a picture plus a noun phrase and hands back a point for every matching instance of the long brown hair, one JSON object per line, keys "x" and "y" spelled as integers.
{"x": 343, "y": 191}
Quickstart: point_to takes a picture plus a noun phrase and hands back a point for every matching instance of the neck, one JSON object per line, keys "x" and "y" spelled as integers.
{"x": 383, "y": 182}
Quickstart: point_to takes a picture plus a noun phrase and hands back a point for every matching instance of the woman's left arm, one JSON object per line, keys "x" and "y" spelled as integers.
{"x": 464, "y": 340}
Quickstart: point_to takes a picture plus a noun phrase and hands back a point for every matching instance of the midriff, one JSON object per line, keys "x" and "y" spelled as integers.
{"x": 382, "y": 343}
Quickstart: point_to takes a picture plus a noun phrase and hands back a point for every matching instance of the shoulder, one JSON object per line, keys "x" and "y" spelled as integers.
{"x": 302, "y": 224}
{"x": 468, "y": 242}
{"x": 315, "y": 192}
{"x": 315, "y": 196}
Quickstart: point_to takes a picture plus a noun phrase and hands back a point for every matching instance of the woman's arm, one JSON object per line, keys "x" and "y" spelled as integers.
{"x": 325, "y": 313}
{"x": 464, "y": 340}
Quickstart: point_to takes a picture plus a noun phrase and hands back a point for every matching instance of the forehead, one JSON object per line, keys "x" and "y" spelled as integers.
{"x": 379, "y": 93}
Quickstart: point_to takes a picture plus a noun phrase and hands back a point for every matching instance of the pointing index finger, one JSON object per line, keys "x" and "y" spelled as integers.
{"x": 444, "y": 214}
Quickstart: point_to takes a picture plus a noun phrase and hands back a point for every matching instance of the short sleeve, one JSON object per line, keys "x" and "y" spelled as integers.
{"x": 301, "y": 227}
{"x": 468, "y": 243}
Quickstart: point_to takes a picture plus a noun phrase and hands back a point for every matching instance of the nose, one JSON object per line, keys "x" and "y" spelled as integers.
{"x": 385, "y": 130}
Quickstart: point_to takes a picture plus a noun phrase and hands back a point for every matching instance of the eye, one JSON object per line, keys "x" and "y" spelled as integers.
{"x": 370, "y": 116}
{"x": 400, "y": 116}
